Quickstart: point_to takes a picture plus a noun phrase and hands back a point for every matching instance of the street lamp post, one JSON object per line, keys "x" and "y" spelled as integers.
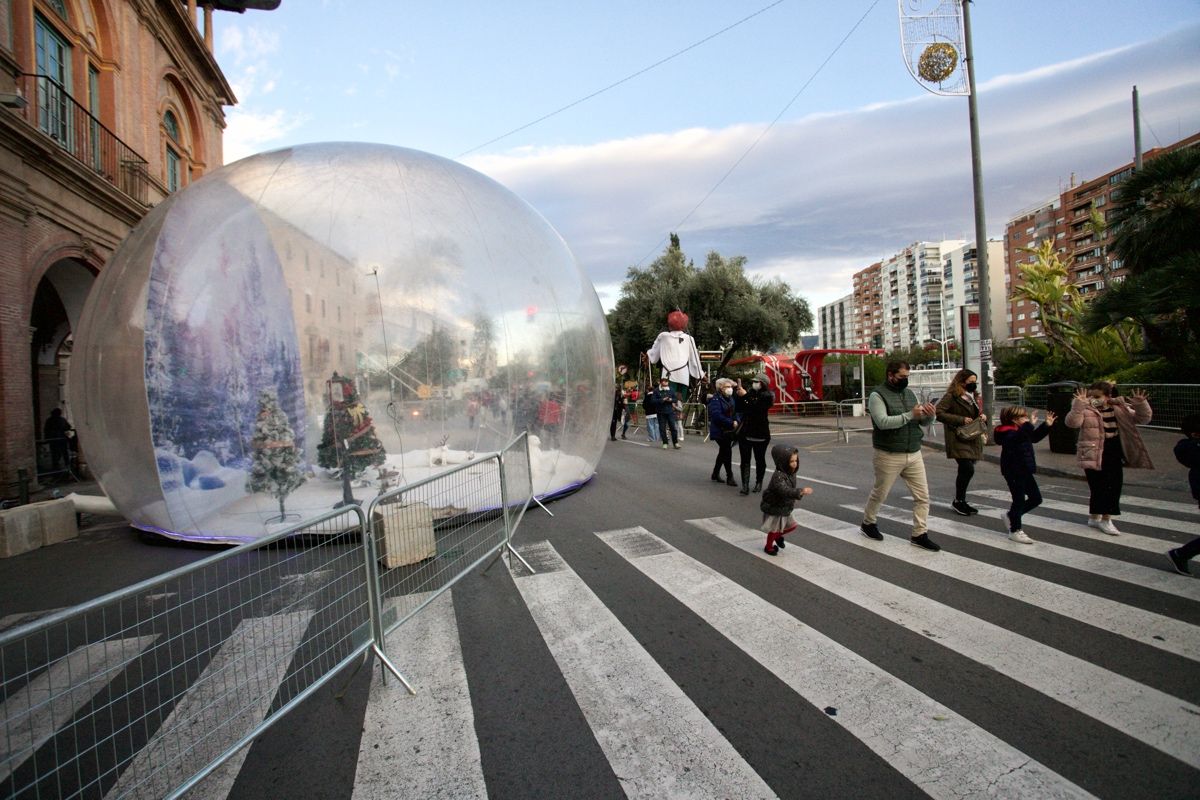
{"x": 943, "y": 343}
{"x": 931, "y": 42}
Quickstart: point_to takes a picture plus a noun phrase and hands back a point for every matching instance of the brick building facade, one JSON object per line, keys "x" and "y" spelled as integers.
{"x": 1076, "y": 221}
{"x": 106, "y": 107}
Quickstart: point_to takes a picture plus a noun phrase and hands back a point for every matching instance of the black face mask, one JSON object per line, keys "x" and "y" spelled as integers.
{"x": 971, "y": 387}
{"x": 900, "y": 383}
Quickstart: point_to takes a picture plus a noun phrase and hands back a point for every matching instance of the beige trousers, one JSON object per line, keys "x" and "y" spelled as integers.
{"x": 910, "y": 467}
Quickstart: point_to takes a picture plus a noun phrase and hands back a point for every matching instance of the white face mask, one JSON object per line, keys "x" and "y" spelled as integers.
{"x": 756, "y": 385}
{"x": 728, "y": 390}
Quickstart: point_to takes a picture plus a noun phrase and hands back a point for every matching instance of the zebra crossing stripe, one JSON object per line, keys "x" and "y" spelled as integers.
{"x": 1136, "y": 624}
{"x": 1147, "y": 577}
{"x": 1148, "y": 520}
{"x": 1151, "y": 716}
{"x": 421, "y": 745}
{"x": 34, "y": 712}
{"x": 941, "y": 752}
{"x": 652, "y": 734}
{"x": 228, "y": 699}
{"x": 1188, "y": 509}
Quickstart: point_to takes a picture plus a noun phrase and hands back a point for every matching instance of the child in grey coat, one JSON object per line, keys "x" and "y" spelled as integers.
{"x": 781, "y": 497}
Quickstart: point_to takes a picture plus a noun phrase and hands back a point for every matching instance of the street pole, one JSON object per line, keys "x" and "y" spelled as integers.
{"x": 981, "y": 261}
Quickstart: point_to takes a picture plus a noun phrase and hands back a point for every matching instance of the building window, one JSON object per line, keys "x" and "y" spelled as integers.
{"x": 53, "y": 55}
{"x": 308, "y": 303}
{"x": 171, "y": 123}
{"x": 172, "y": 161}
{"x": 172, "y": 169}
{"x": 94, "y": 121}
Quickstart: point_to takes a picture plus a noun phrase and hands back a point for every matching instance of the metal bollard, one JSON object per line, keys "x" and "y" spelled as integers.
{"x": 23, "y": 485}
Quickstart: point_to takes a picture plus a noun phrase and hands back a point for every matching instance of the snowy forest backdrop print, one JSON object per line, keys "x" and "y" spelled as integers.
{"x": 219, "y": 330}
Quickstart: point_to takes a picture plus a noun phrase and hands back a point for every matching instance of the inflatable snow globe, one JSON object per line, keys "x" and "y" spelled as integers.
{"x": 325, "y": 311}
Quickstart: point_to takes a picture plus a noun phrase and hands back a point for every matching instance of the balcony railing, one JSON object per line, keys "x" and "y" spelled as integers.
{"x": 55, "y": 113}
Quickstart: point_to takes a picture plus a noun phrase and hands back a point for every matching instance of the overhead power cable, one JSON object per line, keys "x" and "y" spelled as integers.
{"x": 626, "y": 79}
{"x": 765, "y": 131}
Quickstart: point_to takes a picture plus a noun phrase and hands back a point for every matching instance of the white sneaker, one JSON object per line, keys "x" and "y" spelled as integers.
{"x": 1107, "y": 526}
{"x": 1093, "y": 523}
{"x": 1020, "y": 536}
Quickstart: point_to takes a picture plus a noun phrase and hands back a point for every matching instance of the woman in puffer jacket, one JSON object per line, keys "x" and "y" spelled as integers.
{"x": 1109, "y": 441}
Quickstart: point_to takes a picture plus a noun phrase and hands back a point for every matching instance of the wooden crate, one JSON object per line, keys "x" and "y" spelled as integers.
{"x": 404, "y": 534}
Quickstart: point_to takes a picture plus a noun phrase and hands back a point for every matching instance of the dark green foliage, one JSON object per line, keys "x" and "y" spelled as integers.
{"x": 1156, "y": 234}
{"x": 728, "y": 310}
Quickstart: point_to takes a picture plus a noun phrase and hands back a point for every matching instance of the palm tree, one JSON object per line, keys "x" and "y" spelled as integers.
{"x": 1045, "y": 282}
{"x": 1156, "y": 234}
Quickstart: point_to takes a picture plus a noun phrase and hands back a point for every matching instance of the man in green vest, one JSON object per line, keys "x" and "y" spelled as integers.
{"x": 897, "y": 427}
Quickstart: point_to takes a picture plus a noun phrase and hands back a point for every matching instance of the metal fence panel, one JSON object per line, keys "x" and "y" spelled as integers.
{"x": 431, "y": 533}
{"x": 518, "y": 481}
{"x": 142, "y": 692}
{"x": 1170, "y": 402}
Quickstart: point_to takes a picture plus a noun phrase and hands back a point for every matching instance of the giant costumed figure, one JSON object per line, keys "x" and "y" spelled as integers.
{"x": 676, "y": 350}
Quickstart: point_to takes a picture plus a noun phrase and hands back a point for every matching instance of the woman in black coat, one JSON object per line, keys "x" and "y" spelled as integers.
{"x": 754, "y": 435}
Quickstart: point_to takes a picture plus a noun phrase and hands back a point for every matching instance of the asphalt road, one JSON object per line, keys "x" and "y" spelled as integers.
{"x": 659, "y": 652}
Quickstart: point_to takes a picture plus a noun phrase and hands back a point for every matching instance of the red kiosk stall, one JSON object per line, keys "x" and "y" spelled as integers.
{"x": 800, "y": 378}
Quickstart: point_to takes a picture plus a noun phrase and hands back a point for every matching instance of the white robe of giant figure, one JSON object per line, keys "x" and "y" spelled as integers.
{"x": 676, "y": 350}
{"x": 677, "y": 353}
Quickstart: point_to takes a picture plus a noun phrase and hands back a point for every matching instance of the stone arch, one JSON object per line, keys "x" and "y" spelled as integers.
{"x": 176, "y": 98}
{"x": 61, "y": 285}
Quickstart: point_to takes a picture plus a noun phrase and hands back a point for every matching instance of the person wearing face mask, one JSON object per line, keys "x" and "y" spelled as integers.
{"x": 664, "y": 403}
{"x": 898, "y": 424}
{"x": 723, "y": 428}
{"x": 958, "y": 407}
{"x": 1108, "y": 442}
{"x": 755, "y": 434}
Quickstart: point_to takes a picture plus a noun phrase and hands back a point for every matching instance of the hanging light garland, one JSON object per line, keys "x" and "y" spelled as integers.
{"x": 938, "y": 62}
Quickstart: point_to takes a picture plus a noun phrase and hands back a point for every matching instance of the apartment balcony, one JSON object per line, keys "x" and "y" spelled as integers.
{"x": 83, "y": 138}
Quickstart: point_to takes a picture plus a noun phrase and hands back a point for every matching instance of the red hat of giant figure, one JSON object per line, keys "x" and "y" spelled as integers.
{"x": 677, "y": 320}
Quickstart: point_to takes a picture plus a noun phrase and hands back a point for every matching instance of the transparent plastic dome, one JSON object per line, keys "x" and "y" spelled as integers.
{"x": 440, "y": 299}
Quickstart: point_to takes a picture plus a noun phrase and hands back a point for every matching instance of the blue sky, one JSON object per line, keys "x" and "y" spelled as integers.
{"x": 863, "y": 162}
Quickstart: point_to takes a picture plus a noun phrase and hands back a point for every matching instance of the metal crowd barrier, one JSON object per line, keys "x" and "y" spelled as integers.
{"x": 1170, "y": 402}
{"x": 144, "y": 692}
{"x": 431, "y": 533}
{"x": 95, "y": 695}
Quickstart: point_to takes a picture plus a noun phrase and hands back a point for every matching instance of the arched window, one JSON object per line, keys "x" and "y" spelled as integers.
{"x": 173, "y": 170}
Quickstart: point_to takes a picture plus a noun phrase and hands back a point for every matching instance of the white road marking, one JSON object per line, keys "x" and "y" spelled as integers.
{"x": 1142, "y": 712}
{"x": 1160, "y": 580}
{"x": 424, "y": 745}
{"x": 231, "y": 696}
{"x": 655, "y": 738}
{"x": 807, "y": 479}
{"x": 1148, "y": 520}
{"x": 1131, "y": 500}
{"x": 34, "y": 712}
{"x": 1137, "y": 624}
{"x": 15, "y": 620}
{"x": 941, "y": 752}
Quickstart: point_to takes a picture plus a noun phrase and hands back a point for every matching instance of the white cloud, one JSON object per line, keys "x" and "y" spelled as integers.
{"x": 823, "y": 196}
{"x": 247, "y": 133}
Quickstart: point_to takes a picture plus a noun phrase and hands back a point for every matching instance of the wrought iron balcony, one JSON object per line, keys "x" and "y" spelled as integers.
{"x": 55, "y": 113}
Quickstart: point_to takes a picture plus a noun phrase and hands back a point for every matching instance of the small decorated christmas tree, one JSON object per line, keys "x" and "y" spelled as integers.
{"x": 348, "y": 440}
{"x": 276, "y": 468}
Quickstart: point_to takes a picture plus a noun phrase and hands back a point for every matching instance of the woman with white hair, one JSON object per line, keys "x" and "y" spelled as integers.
{"x": 722, "y": 429}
